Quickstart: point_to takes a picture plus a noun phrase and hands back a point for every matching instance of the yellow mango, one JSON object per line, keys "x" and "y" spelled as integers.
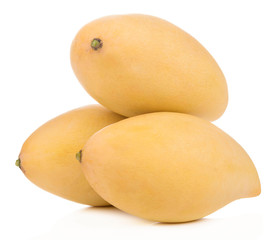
{"x": 136, "y": 64}
{"x": 47, "y": 157}
{"x": 168, "y": 167}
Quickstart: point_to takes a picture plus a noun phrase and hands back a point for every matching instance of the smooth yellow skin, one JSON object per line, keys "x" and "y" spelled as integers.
{"x": 148, "y": 65}
{"x": 48, "y": 160}
{"x": 168, "y": 167}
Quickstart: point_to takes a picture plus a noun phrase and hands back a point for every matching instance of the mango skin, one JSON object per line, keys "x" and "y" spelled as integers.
{"x": 168, "y": 167}
{"x": 47, "y": 157}
{"x": 148, "y": 65}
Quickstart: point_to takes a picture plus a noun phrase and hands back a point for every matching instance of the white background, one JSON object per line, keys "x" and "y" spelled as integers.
{"x": 37, "y": 83}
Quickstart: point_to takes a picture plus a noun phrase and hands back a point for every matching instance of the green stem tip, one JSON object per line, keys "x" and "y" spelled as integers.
{"x": 17, "y": 163}
{"x": 96, "y": 43}
{"x": 79, "y": 156}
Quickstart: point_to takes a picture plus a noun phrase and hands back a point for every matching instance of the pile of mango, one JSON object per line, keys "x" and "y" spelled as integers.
{"x": 151, "y": 151}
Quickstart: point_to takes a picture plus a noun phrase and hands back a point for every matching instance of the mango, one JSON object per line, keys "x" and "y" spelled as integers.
{"x": 136, "y": 64}
{"x": 168, "y": 167}
{"x": 47, "y": 157}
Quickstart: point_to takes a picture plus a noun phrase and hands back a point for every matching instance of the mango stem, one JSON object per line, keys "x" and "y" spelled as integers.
{"x": 96, "y": 43}
{"x": 17, "y": 163}
{"x": 79, "y": 156}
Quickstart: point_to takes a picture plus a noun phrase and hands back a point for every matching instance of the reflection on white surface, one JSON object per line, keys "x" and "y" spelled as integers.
{"x": 111, "y": 223}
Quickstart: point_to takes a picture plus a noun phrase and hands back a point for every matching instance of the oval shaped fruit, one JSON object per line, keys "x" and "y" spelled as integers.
{"x": 168, "y": 167}
{"x": 47, "y": 157}
{"x": 135, "y": 64}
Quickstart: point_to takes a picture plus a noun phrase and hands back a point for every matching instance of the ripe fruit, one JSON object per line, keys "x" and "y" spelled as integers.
{"x": 168, "y": 167}
{"x": 135, "y": 64}
{"x": 47, "y": 157}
